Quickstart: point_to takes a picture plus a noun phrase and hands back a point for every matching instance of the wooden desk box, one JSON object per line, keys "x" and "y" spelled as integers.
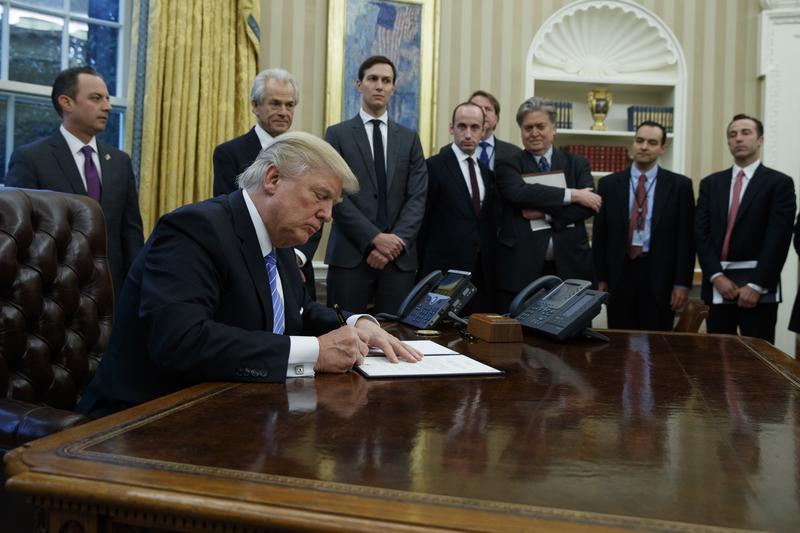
{"x": 491, "y": 327}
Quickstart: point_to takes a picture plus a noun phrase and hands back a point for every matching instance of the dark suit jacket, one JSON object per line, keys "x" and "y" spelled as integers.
{"x": 231, "y": 158}
{"x": 406, "y": 178}
{"x": 794, "y": 321}
{"x": 48, "y": 164}
{"x": 520, "y": 251}
{"x": 762, "y": 230}
{"x": 671, "y": 233}
{"x": 452, "y": 235}
{"x": 504, "y": 151}
{"x": 196, "y": 307}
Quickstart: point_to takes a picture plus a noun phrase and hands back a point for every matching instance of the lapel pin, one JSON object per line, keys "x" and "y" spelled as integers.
{"x": 108, "y": 157}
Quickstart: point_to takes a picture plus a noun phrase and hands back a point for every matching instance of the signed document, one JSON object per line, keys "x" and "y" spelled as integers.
{"x": 439, "y": 361}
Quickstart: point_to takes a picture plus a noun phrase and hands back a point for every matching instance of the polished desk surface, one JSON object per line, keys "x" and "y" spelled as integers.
{"x": 652, "y": 431}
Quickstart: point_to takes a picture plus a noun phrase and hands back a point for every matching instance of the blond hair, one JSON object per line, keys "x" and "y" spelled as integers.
{"x": 294, "y": 154}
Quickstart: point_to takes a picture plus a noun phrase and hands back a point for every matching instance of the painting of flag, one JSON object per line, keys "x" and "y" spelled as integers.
{"x": 390, "y": 29}
{"x": 402, "y": 30}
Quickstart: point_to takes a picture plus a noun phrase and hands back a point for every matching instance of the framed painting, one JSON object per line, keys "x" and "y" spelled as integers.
{"x": 402, "y": 30}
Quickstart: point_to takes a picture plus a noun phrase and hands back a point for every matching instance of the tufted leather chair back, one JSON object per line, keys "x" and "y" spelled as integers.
{"x": 56, "y": 308}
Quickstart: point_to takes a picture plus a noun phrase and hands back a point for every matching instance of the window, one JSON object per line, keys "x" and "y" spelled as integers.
{"x": 38, "y": 39}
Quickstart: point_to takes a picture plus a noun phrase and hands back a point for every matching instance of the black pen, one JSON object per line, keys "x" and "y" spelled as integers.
{"x": 339, "y": 315}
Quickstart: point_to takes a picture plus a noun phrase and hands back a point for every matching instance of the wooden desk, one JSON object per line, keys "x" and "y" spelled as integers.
{"x": 665, "y": 432}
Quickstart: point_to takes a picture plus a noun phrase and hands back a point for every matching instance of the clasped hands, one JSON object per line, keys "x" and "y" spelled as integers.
{"x": 347, "y": 346}
{"x": 387, "y": 247}
{"x": 745, "y": 296}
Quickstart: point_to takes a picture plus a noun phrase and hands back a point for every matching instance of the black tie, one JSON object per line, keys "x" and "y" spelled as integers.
{"x": 380, "y": 173}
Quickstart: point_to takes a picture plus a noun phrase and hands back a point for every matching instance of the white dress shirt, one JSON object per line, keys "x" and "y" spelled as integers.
{"x": 75, "y": 147}
{"x": 263, "y": 137}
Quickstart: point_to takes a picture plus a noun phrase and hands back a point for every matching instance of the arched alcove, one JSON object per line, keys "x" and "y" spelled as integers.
{"x": 616, "y": 45}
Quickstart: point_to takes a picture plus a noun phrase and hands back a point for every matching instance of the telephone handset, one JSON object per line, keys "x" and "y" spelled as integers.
{"x": 434, "y": 296}
{"x": 558, "y": 309}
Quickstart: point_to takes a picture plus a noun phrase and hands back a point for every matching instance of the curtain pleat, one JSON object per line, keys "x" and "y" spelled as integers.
{"x": 201, "y": 58}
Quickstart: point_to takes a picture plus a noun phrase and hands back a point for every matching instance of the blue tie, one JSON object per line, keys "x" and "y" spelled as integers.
{"x": 278, "y": 320}
{"x": 484, "y": 157}
{"x": 544, "y": 166}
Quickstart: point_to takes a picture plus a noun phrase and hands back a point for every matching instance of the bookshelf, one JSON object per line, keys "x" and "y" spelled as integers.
{"x": 618, "y": 46}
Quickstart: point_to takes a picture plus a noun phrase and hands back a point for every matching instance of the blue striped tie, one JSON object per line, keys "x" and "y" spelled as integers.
{"x": 278, "y": 320}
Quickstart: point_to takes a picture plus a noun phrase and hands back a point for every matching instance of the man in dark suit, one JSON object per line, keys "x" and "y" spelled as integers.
{"x": 60, "y": 163}
{"x": 643, "y": 237}
{"x": 215, "y": 294}
{"x": 458, "y": 229}
{"x": 491, "y": 149}
{"x": 372, "y": 254}
{"x": 273, "y": 100}
{"x": 744, "y": 215}
{"x": 523, "y": 254}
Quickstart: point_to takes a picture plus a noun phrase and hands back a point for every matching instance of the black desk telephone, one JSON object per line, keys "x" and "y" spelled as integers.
{"x": 558, "y": 309}
{"x": 435, "y": 296}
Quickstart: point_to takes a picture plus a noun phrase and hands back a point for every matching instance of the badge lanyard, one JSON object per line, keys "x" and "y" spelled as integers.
{"x": 638, "y": 206}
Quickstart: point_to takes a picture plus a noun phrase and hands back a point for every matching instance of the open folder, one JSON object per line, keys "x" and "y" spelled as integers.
{"x": 551, "y": 179}
{"x": 438, "y": 361}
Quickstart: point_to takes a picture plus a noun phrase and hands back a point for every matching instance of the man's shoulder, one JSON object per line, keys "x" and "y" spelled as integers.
{"x": 113, "y": 151}
{"x": 445, "y": 153}
{"x": 771, "y": 172}
{"x": 620, "y": 176}
{"x": 345, "y": 124}
{"x": 190, "y": 214}
{"x": 238, "y": 141}
{"x": 403, "y": 130}
{"x": 719, "y": 175}
{"x": 666, "y": 174}
{"x": 36, "y": 146}
{"x": 505, "y": 146}
{"x": 570, "y": 158}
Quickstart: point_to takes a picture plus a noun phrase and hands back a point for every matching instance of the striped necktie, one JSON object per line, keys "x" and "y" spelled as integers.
{"x": 278, "y": 319}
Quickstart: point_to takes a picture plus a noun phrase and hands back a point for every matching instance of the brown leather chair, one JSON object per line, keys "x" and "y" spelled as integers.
{"x": 56, "y": 309}
{"x": 692, "y": 317}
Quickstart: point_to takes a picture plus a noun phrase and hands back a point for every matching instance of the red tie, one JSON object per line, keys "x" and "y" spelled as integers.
{"x": 473, "y": 184}
{"x": 638, "y": 216}
{"x": 737, "y": 191}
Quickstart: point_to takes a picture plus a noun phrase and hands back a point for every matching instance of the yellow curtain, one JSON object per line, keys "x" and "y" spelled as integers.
{"x": 189, "y": 92}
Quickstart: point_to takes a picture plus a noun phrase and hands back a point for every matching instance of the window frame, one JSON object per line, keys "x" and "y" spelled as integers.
{"x": 12, "y": 90}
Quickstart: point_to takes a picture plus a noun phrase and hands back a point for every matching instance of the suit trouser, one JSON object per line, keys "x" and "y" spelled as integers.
{"x": 354, "y": 288}
{"x": 633, "y": 305}
{"x": 758, "y": 321}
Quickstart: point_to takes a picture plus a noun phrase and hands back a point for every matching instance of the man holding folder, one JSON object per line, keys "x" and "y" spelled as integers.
{"x": 552, "y": 189}
{"x": 743, "y": 228}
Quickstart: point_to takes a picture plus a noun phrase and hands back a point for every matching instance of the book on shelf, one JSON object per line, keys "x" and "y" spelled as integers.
{"x": 563, "y": 114}
{"x": 661, "y": 114}
{"x": 602, "y": 158}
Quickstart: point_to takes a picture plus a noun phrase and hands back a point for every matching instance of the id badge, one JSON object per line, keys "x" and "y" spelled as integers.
{"x": 638, "y": 238}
